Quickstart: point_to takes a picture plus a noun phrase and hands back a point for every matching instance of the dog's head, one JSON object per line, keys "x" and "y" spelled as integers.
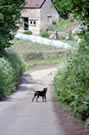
{"x": 45, "y": 90}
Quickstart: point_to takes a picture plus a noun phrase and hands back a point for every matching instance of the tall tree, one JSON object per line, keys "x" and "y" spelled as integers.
{"x": 10, "y": 11}
{"x": 63, "y": 7}
{"x": 79, "y": 8}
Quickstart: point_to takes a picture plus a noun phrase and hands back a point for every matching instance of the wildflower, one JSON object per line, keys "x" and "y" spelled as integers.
{"x": 73, "y": 78}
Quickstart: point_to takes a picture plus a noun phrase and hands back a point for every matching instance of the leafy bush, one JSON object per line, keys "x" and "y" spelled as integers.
{"x": 45, "y": 34}
{"x": 72, "y": 83}
{"x": 16, "y": 63}
{"x": 6, "y": 78}
{"x": 54, "y": 22}
{"x": 11, "y": 68}
{"x": 28, "y": 32}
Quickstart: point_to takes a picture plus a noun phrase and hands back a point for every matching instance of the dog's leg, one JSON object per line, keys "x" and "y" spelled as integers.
{"x": 33, "y": 97}
{"x": 45, "y": 98}
{"x": 37, "y": 98}
{"x": 42, "y": 99}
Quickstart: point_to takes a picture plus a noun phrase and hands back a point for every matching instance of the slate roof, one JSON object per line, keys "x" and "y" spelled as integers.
{"x": 34, "y": 3}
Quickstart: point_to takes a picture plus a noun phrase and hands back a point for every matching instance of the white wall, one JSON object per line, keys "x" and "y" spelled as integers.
{"x": 32, "y": 14}
{"x": 48, "y": 10}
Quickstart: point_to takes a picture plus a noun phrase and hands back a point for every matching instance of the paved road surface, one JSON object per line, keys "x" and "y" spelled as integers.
{"x": 20, "y": 116}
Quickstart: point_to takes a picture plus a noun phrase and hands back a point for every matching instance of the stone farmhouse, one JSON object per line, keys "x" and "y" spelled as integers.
{"x": 37, "y": 15}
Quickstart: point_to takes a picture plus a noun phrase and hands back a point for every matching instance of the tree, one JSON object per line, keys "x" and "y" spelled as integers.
{"x": 63, "y": 7}
{"x": 10, "y": 11}
{"x": 79, "y": 8}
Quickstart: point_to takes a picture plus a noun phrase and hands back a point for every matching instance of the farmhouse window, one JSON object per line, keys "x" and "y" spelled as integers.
{"x": 49, "y": 19}
{"x": 32, "y": 22}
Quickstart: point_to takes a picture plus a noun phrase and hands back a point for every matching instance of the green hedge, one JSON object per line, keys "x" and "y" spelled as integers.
{"x": 16, "y": 62}
{"x": 72, "y": 83}
{"x": 11, "y": 68}
{"x": 7, "y": 83}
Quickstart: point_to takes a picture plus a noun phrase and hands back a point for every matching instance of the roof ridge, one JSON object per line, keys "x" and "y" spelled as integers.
{"x": 34, "y": 3}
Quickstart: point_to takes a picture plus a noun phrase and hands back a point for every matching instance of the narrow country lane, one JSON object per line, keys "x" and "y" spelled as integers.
{"x": 20, "y": 116}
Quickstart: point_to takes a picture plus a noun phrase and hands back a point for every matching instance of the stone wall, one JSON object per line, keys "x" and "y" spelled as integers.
{"x": 33, "y": 15}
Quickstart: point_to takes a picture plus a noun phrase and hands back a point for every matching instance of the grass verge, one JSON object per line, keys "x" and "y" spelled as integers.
{"x": 53, "y": 61}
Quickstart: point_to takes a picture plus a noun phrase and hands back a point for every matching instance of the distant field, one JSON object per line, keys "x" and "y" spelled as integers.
{"x": 25, "y": 46}
{"x": 35, "y": 54}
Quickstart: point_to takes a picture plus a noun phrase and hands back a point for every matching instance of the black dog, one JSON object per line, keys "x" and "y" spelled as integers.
{"x": 38, "y": 94}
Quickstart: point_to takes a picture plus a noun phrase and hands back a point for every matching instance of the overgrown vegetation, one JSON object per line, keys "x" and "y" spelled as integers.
{"x": 72, "y": 82}
{"x": 63, "y": 31}
{"x": 6, "y": 78}
{"x": 16, "y": 62}
{"x": 62, "y": 25}
{"x": 45, "y": 34}
{"x": 11, "y": 68}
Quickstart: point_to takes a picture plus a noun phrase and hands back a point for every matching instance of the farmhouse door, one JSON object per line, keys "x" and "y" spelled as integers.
{"x": 26, "y": 23}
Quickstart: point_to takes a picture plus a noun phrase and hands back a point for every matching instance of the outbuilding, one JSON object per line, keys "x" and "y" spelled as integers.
{"x": 37, "y": 15}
